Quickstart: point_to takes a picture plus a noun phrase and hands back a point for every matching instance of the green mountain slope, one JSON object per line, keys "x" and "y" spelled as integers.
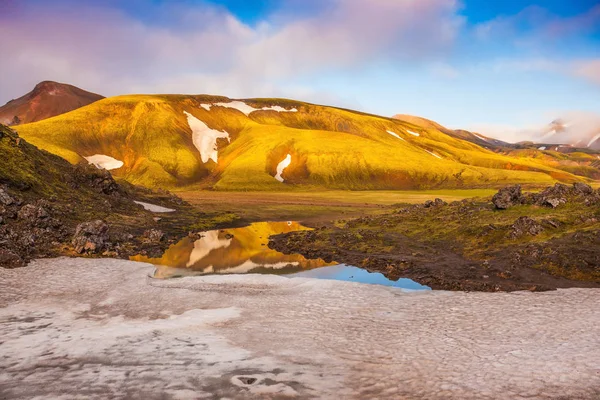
{"x": 168, "y": 140}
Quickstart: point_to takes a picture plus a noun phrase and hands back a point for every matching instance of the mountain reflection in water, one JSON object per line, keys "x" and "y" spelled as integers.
{"x": 232, "y": 251}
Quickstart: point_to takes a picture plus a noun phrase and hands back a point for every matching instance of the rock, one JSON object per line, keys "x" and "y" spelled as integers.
{"x": 439, "y": 203}
{"x": 5, "y": 198}
{"x": 435, "y": 203}
{"x": 154, "y": 235}
{"x": 523, "y": 226}
{"x": 507, "y": 197}
{"x": 582, "y": 188}
{"x": 32, "y": 213}
{"x": 157, "y": 219}
{"x": 90, "y": 237}
{"x": 228, "y": 236}
{"x": 553, "y": 202}
{"x": 10, "y": 259}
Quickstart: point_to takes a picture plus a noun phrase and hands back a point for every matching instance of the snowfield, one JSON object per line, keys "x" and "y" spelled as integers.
{"x": 396, "y": 135}
{"x": 433, "y": 154}
{"x": 205, "y": 139}
{"x": 104, "y": 161}
{"x": 413, "y": 133}
{"x": 102, "y": 328}
{"x": 245, "y": 108}
{"x": 154, "y": 207}
{"x": 282, "y": 166}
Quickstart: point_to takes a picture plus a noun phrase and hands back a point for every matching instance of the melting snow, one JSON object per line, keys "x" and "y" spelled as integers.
{"x": 154, "y": 207}
{"x": 542, "y": 148}
{"x": 82, "y": 328}
{"x": 413, "y": 133}
{"x": 204, "y": 138}
{"x": 247, "y": 109}
{"x": 103, "y": 161}
{"x": 480, "y": 137}
{"x": 282, "y": 166}
{"x": 205, "y": 106}
{"x": 593, "y": 140}
{"x": 396, "y": 135}
{"x": 433, "y": 154}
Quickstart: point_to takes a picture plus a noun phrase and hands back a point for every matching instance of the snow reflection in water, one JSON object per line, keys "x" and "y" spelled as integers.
{"x": 245, "y": 250}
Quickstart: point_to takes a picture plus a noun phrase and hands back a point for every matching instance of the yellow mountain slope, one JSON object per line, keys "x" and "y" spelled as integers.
{"x": 215, "y": 142}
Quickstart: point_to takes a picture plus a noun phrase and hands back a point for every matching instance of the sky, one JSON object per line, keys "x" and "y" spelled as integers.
{"x": 502, "y": 68}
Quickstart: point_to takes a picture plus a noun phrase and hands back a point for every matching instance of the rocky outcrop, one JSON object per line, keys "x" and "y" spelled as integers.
{"x": 435, "y": 203}
{"x": 90, "y": 237}
{"x": 154, "y": 235}
{"x": 5, "y": 198}
{"x": 525, "y": 226}
{"x": 508, "y": 197}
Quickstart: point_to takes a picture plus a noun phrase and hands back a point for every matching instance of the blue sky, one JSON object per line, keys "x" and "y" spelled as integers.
{"x": 500, "y": 67}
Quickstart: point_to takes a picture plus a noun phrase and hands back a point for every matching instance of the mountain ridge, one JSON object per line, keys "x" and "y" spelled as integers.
{"x": 46, "y": 100}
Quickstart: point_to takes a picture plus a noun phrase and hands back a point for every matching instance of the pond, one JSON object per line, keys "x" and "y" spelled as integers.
{"x": 245, "y": 251}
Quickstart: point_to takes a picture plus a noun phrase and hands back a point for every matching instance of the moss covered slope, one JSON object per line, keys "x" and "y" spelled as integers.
{"x": 329, "y": 147}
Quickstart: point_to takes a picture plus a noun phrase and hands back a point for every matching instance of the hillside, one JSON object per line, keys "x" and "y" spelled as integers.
{"x": 45, "y": 203}
{"x": 46, "y": 100}
{"x": 272, "y": 144}
{"x": 576, "y": 157}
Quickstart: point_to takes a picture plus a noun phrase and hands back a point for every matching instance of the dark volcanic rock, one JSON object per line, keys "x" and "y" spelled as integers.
{"x": 154, "y": 235}
{"x": 10, "y": 259}
{"x": 435, "y": 203}
{"x": 524, "y": 226}
{"x": 90, "y": 237}
{"x": 99, "y": 179}
{"x": 508, "y": 197}
{"x": 5, "y": 198}
{"x": 582, "y": 188}
{"x": 32, "y": 214}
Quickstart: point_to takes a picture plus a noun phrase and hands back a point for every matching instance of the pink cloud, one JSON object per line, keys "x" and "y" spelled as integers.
{"x": 206, "y": 49}
{"x": 589, "y": 70}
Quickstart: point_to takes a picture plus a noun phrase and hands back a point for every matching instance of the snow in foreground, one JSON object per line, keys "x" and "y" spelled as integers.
{"x": 154, "y": 207}
{"x": 104, "y": 161}
{"x": 85, "y": 328}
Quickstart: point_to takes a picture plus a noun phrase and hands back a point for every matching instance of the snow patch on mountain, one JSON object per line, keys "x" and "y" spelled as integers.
{"x": 154, "y": 207}
{"x": 593, "y": 140}
{"x": 204, "y": 138}
{"x": 433, "y": 154}
{"x": 413, "y": 133}
{"x": 247, "y": 109}
{"x": 282, "y": 166}
{"x": 396, "y": 135}
{"x": 103, "y": 161}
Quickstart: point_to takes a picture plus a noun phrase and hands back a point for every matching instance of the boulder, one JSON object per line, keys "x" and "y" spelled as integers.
{"x": 582, "y": 188}
{"x": 32, "y": 213}
{"x": 553, "y": 196}
{"x": 507, "y": 197}
{"x": 435, "y": 203}
{"x": 5, "y": 198}
{"x": 90, "y": 237}
{"x": 525, "y": 226}
{"x": 154, "y": 235}
{"x": 10, "y": 259}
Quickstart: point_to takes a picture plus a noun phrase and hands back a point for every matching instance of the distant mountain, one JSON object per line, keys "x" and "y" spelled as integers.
{"x": 166, "y": 141}
{"x": 582, "y": 132}
{"x": 46, "y": 100}
{"x": 472, "y": 137}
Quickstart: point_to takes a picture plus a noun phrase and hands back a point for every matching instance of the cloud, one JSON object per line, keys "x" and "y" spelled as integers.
{"x": 205, "y": 49}
{"x": 589, "y": 70}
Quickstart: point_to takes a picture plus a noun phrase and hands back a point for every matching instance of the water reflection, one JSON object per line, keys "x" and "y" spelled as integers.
{"x": 232, "y": 251}
{"x": 349, "y": 273}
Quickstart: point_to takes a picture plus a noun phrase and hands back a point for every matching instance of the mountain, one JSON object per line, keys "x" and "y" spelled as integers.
{"x": 274, "y": 144}
{"x": 568, "y": 155}
{"x": 46, "y": 100}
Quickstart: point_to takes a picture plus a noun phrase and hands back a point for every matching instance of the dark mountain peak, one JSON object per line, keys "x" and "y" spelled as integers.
{"x": 47, "y": 99}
